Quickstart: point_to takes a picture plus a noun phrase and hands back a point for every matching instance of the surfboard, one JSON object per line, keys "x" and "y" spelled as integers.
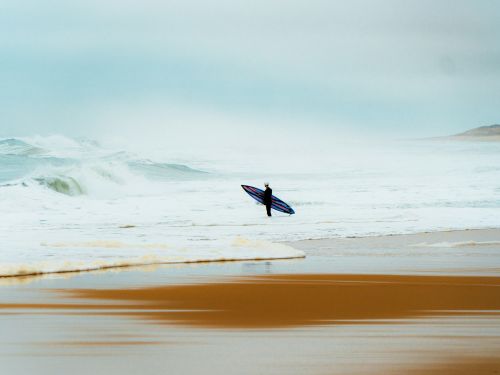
{"x": 277, "y": 204}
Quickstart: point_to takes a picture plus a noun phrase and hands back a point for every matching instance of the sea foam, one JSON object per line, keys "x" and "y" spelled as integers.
{"x": 95, "y": 256}
{"x": 74, "y": 204}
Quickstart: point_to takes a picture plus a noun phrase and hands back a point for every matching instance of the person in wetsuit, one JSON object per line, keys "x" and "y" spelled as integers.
{"x": 268, "y": 198}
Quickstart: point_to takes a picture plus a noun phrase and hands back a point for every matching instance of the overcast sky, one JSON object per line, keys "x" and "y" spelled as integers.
{"x": 87, "y": 67}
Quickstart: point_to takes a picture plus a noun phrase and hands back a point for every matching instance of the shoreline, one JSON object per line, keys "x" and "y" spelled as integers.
{"x": 397, "y": 304}
{"x": 396, "y": 234}
{"x": 307, "y": 246}
{"x": 139, "y": 264}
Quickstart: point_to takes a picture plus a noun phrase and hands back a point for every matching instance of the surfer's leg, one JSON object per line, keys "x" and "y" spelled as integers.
{"x": 268, "y": 209}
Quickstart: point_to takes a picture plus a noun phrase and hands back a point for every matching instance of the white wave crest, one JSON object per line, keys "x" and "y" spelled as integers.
{"x": 82, "y": 167}
{"x": 13, "y": 146}
{"x": 97, "y": 256}
{"x": 98, "y": 179}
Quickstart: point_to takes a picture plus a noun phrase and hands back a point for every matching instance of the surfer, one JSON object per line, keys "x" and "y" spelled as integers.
{"x": 268, "y": 198}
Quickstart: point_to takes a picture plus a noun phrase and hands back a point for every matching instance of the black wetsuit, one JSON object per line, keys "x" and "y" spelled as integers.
{"x": 268, "y": 199}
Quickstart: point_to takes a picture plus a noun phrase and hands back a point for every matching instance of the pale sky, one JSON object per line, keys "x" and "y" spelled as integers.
{"x": 91, "y": 67}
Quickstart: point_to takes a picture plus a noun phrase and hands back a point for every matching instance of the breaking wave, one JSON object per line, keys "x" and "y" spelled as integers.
{"x": 13, "y": 146}
{"x": 83, "y": 167}
{"x": 64, "y": 184}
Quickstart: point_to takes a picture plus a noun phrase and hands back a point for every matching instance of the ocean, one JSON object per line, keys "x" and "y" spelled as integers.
{"x": 79, "y": 204}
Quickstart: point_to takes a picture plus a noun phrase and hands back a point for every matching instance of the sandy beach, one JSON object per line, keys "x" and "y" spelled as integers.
{"x": 402, "y": 304}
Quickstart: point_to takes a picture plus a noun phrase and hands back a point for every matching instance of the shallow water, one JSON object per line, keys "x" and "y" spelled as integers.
{"x": 64, "y": 201}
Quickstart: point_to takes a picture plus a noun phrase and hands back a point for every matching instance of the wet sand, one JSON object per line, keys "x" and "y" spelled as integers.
{"x": 282, "y": 301}
{"x": 429, "y": 304}
{"x": 456, "y": 366}
{"x": 462, "y": 252}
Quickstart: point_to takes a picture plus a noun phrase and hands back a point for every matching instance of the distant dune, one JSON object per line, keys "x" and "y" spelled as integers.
{"x": 484, "y": 133}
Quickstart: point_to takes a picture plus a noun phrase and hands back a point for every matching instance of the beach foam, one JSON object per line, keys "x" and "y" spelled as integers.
{"x": 95, "y": 255}
{"x": 84, "y": 203}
